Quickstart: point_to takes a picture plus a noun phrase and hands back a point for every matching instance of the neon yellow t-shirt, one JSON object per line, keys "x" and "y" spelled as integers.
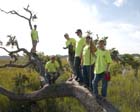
{"x": 88, "y": 57}
{"x": 102, "y": 59}
{"x": 71, "y": 41}
{"x": 79, "y": 46}
{"x": 34, "y": 35}
{"x": 52, "y": 66}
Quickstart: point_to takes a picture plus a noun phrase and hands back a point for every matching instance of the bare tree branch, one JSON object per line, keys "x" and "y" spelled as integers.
{"x": 61, "y": 90}
{"x": 21, "y": 49}
{"x": 29, "y": 19}
{"x": 5, "y": 49}
{"x": 14, "y": 12}
{"x": 33, "y": 60}
{"x": 12, "y": 55}
{"x": 15, "y": 65}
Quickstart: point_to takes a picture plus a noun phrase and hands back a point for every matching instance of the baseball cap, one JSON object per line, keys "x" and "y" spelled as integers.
{"x": 78, "y": 30}
{"x": 65, "y": 34}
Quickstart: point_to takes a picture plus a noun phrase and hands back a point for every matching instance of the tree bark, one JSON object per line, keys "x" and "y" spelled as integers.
{"x": 62, "y": 90}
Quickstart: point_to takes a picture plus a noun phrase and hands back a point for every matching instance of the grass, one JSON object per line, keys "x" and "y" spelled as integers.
{"x": 7, "y": 76}
{"x": 124, "y": 93}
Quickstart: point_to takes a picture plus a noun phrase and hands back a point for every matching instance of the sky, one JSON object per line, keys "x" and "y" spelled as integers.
{"x": 117, "y": 19}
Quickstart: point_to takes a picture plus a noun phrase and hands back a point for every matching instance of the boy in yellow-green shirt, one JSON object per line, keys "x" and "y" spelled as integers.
{"x": 78, "y": 54}
{"x": 88, "y": 60}
{"x": 35, "y": 38}
{"x": 51, "y": 68}
{"x": 70, "y": 45}
{"x": 103, "y": 60}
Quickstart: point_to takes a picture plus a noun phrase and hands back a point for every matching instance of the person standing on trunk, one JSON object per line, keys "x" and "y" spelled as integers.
{"x": 35, "y": 38}
{"x": 78, "y": 55}
{"x": 70, "y": 45}
{"x": 103, "y": 60}
{"x": 88, "y": 61}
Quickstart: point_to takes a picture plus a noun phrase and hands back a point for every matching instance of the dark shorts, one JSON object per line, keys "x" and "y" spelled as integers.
{"x": 34, "y": 42}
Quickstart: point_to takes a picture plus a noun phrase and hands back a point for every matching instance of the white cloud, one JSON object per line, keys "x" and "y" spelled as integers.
{"x": 136, "y": 34}
{"x": 54, "y": 19}
{"x": 106, "y": 2}
{"x": 122, "y": 36}
{"x": 119, "y": 3}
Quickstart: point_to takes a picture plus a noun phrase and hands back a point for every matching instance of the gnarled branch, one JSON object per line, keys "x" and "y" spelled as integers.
{"x": 33, "y": 60}
{"x": 62, "y": 90}
{"x": 29, "y": 19}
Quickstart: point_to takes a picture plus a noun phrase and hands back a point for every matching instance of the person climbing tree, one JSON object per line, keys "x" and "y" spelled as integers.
{"x": 35, "y": 38}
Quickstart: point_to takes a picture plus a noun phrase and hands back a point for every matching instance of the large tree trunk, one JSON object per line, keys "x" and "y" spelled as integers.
{"x": 62, "y": 90}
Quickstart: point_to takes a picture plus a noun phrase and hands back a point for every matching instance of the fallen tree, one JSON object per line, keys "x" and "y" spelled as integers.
{"x": 69, "y": 89}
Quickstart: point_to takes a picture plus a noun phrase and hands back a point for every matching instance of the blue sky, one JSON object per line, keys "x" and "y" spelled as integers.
{"x": 125, "y": 10}
{"x": 117, "y": 19}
